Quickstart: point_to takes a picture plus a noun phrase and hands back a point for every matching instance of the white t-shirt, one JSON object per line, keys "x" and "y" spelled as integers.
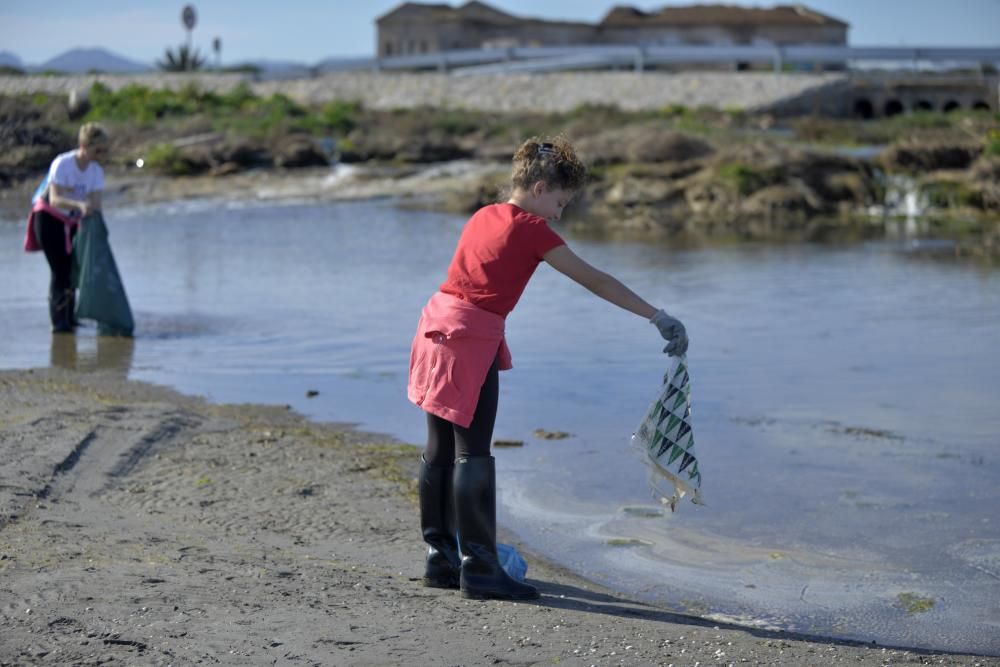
{"x": 65, "y": 172}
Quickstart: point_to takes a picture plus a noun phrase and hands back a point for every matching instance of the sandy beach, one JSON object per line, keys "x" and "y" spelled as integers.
{"x": 142, "y": 527}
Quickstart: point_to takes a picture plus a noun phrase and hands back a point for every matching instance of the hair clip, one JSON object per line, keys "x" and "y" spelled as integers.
{"x": 546, "y": 149}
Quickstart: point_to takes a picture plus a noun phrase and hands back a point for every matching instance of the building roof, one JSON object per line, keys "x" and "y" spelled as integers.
{"x": 779, "y": 15}
{"x": 478, "y": 12}
{"x": 443, "y": 12}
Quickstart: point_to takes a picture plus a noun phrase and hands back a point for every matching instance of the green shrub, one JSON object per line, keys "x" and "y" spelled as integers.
{"x": 236, "y": 99}
{"x": 992, "y": 143}
{"x": 675, "y": 111}
{"x": 167, "y": 159}
{"x": 951, "y": 194}
{"x": 741, "y": 177}
{"x": 340, "y": 117}
{"x": 141, "y": 104}
{"x": 455, "y": 122}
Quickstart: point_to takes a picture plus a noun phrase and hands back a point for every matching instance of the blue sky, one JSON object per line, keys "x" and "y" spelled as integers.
{"x": 310, "y": 30}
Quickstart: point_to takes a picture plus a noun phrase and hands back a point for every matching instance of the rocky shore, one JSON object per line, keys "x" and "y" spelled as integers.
{"x": 140, "y": 526}
{"x": 665, "y": 171}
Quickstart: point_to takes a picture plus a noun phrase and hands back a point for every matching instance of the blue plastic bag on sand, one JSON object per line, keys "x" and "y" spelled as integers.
{"x": 511, "y": 561}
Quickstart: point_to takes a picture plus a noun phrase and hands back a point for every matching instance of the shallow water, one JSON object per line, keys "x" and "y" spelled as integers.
{"x": 844, "y": 398}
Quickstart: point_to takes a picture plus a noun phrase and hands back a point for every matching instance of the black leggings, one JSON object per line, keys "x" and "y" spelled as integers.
{"x": 51, "y": 234}
{"x": 447, "y": 441}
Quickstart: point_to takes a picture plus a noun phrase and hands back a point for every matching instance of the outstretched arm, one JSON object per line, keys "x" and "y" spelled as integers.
{"x": 604, "y": 285}
{"x": 609, "y": 288}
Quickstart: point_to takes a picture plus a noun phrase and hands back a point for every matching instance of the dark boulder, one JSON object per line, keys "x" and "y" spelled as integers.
{"x": 914, "y": 157}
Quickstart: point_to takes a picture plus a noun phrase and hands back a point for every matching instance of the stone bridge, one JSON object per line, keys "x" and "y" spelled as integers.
{"x": 879, "y": 95}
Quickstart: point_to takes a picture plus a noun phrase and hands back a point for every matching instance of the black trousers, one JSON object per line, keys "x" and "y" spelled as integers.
{"x": 447, "y": 441}
{"x": 51, "y": 234}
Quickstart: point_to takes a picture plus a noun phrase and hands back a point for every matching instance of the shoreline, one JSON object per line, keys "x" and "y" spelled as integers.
{"x": 142, "y": 524}
{"x": 343, "y": 182}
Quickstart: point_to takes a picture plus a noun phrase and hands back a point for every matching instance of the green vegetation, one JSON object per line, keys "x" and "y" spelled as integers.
{"x": 951, "y": 194}
{"x": 238, "y": 110}
{"x": 992, "y": 143}
{"x": 184, "y": 60}
{"x": 742, "y": 177}
{"x": 959, "y": 125}
{"x": 336, "y": 118}
{"x": 627, "y": 542}
{"x": 914, "y": 604}
{"x": 167, "y": 159}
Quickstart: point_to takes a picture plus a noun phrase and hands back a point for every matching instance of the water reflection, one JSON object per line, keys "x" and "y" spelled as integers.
{"x": 101, "y": 353}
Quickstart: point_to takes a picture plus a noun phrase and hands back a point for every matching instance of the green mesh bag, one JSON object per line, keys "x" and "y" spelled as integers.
{"x": 665, "y": 440}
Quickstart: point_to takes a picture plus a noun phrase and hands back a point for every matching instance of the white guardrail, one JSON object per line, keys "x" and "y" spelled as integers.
{"x": 556, "y": 58}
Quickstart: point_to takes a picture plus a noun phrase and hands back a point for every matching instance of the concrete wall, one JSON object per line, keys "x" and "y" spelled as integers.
{"x": 526, "y": 92}
{"x": 834, "y": 94}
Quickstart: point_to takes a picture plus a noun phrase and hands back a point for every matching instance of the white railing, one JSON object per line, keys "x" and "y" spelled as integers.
{"x": 599, "y": 56}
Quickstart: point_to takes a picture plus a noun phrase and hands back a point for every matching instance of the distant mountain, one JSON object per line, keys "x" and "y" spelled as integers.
{"x": 8, "y": 59}
{"x": 79, "y": 61}
{"x": 279, "y": 66}
{"x": 270, "y": 69}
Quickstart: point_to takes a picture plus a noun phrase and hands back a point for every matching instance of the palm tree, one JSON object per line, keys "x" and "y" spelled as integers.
{"x": 185, "y": 60}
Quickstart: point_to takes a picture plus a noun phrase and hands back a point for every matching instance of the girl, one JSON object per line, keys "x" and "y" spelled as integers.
{"x": 459, "y": 348}
{"x": 75, "y": 183}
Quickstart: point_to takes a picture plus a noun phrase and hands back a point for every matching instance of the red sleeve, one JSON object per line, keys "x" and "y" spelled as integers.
{"x": 541, "y": 238}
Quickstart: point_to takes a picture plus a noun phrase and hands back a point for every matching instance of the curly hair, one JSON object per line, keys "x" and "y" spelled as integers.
{"x": 549, "y": 160}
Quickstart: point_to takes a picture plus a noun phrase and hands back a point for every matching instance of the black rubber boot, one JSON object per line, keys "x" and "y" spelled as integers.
{"x": 61, "y": 304}
{"x": 437, "y": 523}
{"x": 72, "y": 309}
{"x": 476, "y": 508}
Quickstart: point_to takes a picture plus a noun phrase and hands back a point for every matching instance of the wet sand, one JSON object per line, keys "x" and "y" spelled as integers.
{"x": 140, "y": 526}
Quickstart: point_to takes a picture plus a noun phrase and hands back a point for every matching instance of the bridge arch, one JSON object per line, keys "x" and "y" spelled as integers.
{"x": 863, "y": 108}
{"x": 951, "y": 105}
{"x": 893, "y": 108}
{"x": 923, "y": 105}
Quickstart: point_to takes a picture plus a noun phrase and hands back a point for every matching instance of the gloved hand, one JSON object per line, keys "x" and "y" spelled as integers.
{"x": 672, "y": 330}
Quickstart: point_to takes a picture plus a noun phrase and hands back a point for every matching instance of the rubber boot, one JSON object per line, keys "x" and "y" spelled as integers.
{"x": 61, "y": 310}
{"x": 476, "y": 508}
{"x": 437, "y": 523}
{"x": 72, "y": 309}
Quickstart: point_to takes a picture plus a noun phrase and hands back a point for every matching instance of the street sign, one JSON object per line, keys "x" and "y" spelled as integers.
{"x": 188, "y": 17}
